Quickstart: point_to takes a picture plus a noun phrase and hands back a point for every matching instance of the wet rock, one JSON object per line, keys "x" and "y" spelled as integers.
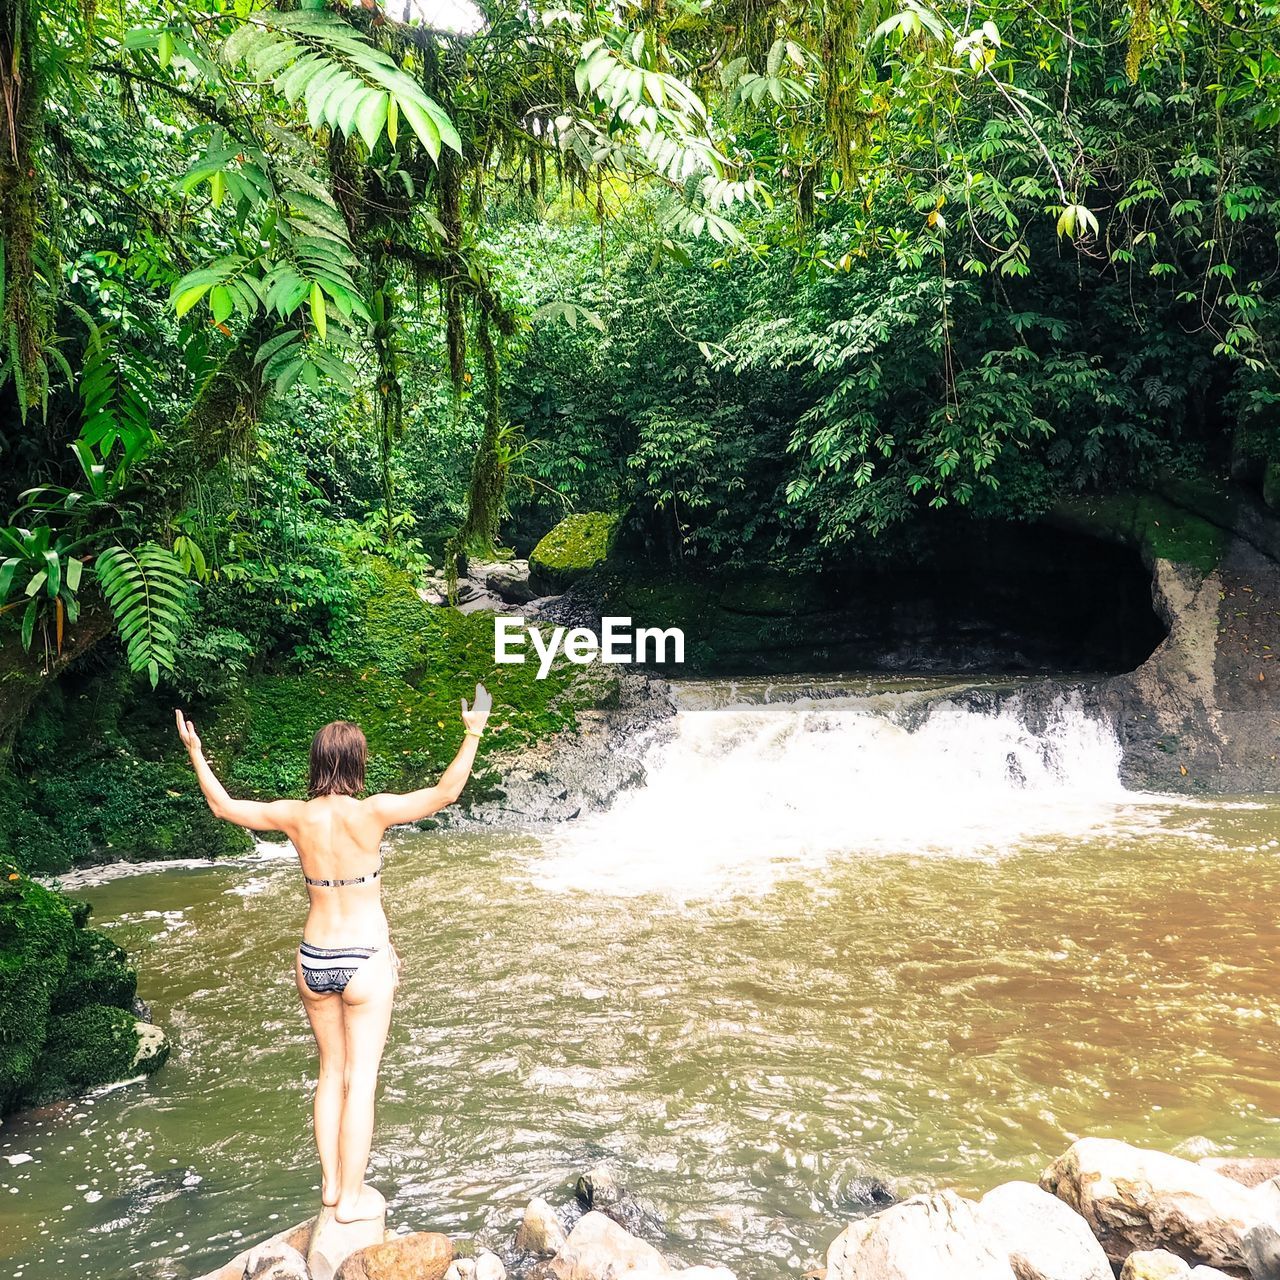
{"x": 333, "y": 1242}
{"x": 275, "y": 1261}
{"x": 1042, "y": 1238}
{"x": 600, "y": 1190}
{"x": 153, "y": 1048}
{"x": 1135, "y": 1199}
{"x": 420, "y": 1255}
{"x": 924, "y": 1238}
{"x": 1154, "y": 1264}
{"x": 540, "y": 1231}
{"x": 1249, "y": 1171}
{"x": 599, "y": 1249}
{"x": 297, "y": 1238}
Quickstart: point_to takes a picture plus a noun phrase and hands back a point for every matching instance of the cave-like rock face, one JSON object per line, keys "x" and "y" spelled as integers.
{"x": 991, "y": 597}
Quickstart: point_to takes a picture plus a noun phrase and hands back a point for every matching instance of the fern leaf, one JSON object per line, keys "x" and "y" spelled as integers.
{"x": 147, "y": 593}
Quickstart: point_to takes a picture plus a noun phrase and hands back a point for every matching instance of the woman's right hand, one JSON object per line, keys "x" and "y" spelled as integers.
{"x": 476, "y": 716}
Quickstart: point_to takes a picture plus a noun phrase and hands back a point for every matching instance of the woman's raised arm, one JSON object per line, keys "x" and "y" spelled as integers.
{"x": 257, "y": 815}
{"x": 393, "y": 810}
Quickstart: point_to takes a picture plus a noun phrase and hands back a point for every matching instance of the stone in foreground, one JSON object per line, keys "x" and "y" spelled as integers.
{"x": 420, "y": 1255}
{"x": 333, "y": 1242}
{"x": 924, "y": 1238}
{"x": 540, "y": 1231}
{"x": 1154, "y": 1264}
{"x": 274, "y": 1261}
{"x": 1042, "y": 1238}
{"x": 599, "y": 1249}
{"x": 1135, "y": 1199}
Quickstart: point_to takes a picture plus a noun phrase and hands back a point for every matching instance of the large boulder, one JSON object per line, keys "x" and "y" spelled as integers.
{"x": 1134, "y": 1199}
{"x": 599, "y": 1249}
{"x": 1042, "y": 1238}
{"x": 333, "y": 1242}
{"x": 420, "y": 1255}
{"x": 927, "y": 1237}
{"x": 572, "y": 549}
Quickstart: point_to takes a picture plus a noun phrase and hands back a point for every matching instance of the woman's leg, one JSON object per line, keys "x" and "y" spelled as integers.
{"x": 366, "y": 1008}
{"x": 325, "y": 1015}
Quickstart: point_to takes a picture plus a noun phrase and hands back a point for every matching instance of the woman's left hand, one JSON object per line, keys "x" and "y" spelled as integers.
{"x": 187, "y": 732}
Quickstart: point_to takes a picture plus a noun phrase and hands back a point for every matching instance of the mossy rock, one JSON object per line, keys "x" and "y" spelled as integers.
{"x": 573, "y": 548}
{"x": 98, "y": 972}
{"x": 1155, "y": 527}
{"x": 37, "y": 934}
{"x": 95, "y": 1045}
{"x": 51, "y": 970}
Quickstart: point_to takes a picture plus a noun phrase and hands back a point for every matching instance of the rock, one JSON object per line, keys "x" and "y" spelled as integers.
{"x": 1135, "y": 1199}
{"x": 153, "y": 1048}
{"x": 599, "y": 1249}
{"x": 1154, "y": 1264}
{"x": 274, "y": 1260}
{"x": 507, "y": 579}
{"x": 927, "y": 1237}
{"x": 540, "y": 1231}
{"x": 706, "y": 1273}
{"x": 297, "y": 1238}
{"x": 1261, "y": 1248}
{"x": 573, "y": 548}
{"x": 420, "y": 1255}
{"x": 1042, "y": 1237}
{"x": 489, "y": 1266}
{"x": 333, "y": 1242}
{"x": 461, "y": 1269}
{"x": 1249, "y": 1171}
{"x": 1208, "y": 1273}
{"x": 599, "y": 1189}
{"x": 845, "y": 1245}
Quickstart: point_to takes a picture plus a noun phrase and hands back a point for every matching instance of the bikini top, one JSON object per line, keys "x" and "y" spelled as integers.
{"x": 338, "y": 884}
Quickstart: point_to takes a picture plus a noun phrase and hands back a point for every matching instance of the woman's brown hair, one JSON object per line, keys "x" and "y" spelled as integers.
{"x": 339, "y": 754}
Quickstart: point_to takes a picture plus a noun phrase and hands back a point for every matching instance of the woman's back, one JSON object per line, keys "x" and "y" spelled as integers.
{"x": 339, "y": 840}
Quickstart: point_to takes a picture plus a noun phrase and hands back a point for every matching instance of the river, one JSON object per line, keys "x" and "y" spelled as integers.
{"x": 832, "y": 939}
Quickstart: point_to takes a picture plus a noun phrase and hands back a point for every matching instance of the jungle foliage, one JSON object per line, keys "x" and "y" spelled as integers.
{"x": 285, "y": 286}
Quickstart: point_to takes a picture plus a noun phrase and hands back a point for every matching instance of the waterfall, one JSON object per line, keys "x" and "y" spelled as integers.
{"x": 748, "y": 787}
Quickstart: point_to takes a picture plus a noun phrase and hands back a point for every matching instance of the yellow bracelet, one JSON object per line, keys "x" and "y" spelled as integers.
{"x": 473, "y": 733}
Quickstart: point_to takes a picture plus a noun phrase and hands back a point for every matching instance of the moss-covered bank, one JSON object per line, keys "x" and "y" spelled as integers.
{"x": 67, "y": 993}
{"x": 97, "y": 773}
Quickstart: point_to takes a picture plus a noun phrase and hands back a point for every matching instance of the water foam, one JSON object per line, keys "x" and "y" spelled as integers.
{"x": 743, "y": 794}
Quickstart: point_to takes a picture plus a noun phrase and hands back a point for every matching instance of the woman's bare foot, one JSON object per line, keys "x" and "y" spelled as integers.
{"x": 328, "y": 1195}
{"x": 367, "y": 1203}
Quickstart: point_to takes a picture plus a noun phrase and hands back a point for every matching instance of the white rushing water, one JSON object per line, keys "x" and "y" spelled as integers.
{"x": 745, "y": 794}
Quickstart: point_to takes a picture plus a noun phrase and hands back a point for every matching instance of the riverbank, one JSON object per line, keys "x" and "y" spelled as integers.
{"x": 1102, "y": 1209}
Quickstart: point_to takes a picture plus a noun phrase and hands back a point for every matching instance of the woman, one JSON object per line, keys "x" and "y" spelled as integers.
{"x": 346, "y": 969}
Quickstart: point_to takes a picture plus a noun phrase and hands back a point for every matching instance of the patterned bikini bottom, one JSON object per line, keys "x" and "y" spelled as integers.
{"x": 327, "y": 970}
